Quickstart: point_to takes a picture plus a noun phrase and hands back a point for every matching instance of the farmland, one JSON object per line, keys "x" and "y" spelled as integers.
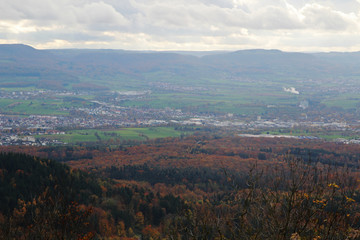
{"x": 115, "y": 135}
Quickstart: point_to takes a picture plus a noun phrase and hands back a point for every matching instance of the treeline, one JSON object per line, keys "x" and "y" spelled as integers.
{"x": 198, "y": 151}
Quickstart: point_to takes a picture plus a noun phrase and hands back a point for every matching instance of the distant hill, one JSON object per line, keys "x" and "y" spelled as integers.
{"x": 254, "y": 63}
{"x": 20, "y": 54}
{"x": 24, "y": 65}
{"x": 19, "y": 51}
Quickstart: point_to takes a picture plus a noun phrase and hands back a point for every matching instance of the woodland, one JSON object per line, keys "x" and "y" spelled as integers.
{"x": 196, "y": 187}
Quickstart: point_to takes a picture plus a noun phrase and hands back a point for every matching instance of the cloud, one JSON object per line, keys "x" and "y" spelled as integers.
{"x": 99, "y": 15}
{"x": 318, "y": 16}
{"x": 276, "y": 18}
{"x": 181, "y": 24}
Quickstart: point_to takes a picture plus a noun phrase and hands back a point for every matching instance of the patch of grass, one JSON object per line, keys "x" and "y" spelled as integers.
{"x": 101, "y": 135}
{"x": 41, "y": 107}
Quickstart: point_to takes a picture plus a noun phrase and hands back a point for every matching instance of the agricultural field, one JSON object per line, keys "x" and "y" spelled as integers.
{"x": 28, "y": 107}
{"x": 116, "y": 135}
{"x": 56, "y": 105}
{"x": 239, "y": 100}
{"x": 345, "y": 101}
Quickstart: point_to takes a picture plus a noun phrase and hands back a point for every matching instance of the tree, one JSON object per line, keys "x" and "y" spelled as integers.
{"x": 289, "y": 199}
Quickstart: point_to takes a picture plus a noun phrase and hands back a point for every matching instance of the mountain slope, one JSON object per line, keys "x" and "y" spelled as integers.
{"x": 62, "y": 68}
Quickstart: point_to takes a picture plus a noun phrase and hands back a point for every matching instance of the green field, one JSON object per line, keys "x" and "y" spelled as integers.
{"x": 116, "y": 135}
{"x": 53, "y": 106}
{"x": 346, "y": 101}
{"x": 241, "y": 99}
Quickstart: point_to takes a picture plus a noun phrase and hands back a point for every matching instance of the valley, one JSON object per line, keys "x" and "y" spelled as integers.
{"x": 114, "y": 144}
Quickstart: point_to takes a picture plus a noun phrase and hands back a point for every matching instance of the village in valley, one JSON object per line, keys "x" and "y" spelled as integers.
{"x": 22, "y": 128}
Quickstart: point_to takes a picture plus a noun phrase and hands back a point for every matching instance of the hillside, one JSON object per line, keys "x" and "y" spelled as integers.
{"x": 43, "y": 199}
{"x": 21, "y": 60}
{"x": 207, "y": 187}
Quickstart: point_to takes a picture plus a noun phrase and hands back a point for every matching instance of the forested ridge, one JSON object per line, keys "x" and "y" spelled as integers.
{"x": 198, "y": 187}
{"x": 198, "y": 151}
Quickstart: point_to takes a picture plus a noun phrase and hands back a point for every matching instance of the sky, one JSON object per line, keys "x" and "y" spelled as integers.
{"x": 191, "y": 25}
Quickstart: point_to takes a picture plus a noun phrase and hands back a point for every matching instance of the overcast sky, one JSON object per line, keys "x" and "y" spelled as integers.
{"x": 289, "y": 25}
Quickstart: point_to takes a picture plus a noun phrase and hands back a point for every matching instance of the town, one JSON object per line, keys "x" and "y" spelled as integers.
{"x": 105, "y": 112}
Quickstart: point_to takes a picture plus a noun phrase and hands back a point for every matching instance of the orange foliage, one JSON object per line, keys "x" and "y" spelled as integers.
{"x": 195, "y": 151}
{"x": 150, "y": 233}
